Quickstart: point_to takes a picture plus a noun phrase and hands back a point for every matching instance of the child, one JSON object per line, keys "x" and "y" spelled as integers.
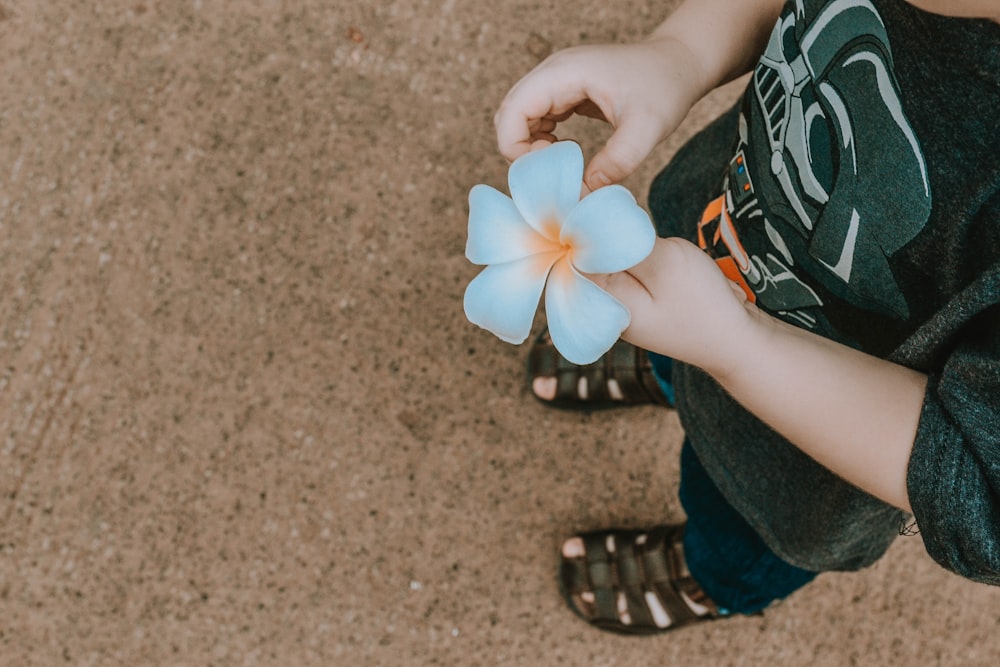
{"x": 827, "y": 284}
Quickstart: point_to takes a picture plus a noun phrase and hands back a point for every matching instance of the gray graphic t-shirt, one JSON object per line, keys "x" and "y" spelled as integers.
{"x": 828, "y": 180}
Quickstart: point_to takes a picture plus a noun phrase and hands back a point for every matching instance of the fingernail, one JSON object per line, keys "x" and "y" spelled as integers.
{"x": 599, "y": 179}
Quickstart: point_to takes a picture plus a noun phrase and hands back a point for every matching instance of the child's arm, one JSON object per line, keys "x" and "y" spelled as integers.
{"x": 854, "y": 413}
{"x": 643, "y": 90}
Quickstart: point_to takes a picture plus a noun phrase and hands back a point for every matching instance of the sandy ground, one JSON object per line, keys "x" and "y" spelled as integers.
{"x": 243, "y": 420}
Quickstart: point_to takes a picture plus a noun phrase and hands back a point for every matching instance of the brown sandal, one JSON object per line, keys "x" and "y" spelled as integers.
{"x": 623, "y": 376}
{"x": 634, "y": 582}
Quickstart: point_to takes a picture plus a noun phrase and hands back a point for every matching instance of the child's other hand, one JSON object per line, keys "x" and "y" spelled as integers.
{"x": 642, "y": 90}
{"x": 684, "y": 307}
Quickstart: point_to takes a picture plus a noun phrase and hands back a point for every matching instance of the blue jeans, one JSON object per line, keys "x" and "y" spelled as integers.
{"x": 725, "y": 555}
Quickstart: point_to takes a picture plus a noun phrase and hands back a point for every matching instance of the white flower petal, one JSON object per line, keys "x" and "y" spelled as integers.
{"x": 608, "y": 231}
{"x": 584, "y": 320}
{"x": 545, "y": 185}
{"x": 497, "y": 232}
{"x": 503, "y": 297}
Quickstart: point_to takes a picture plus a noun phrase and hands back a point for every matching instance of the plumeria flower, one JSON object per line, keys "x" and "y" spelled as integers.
{"x": 544, "y": 233}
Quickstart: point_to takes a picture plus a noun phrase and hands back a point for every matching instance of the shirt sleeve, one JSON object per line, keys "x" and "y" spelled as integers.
{"x": 953, "y": 478}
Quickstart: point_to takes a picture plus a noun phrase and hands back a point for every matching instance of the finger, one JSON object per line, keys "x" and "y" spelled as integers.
{"x": 631, "y": 142}
{"x": 542, "y": 94}
{"x": 667, "y": 253}
{"x": 624, "y": 286}
{"x": 535, "y": 123}
{"x": 542, "y": 125}
{"x": 560, "y": 117}
{"x": 517, "y": 118}
{"x": 547, "y": 137}
{"x": 586, "y": 108}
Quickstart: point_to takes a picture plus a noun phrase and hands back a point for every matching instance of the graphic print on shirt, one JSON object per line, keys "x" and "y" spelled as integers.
{"x": 828, "y": 179}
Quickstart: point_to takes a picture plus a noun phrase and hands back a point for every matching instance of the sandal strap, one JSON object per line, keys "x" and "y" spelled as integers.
{"x": 568, "y": 377}
{"x": 609, "y": 575}
{"x": 632, "y": 571}
{"x": 600, "y": 578}
{"x": 631, "y": 368}
{"x": 626, "y": 364}
{"x": 633, "y": 583}
{"x": 664, "y": 558}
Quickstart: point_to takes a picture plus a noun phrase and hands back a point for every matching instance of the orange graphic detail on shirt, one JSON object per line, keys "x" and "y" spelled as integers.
{"x": 716, "y": 223}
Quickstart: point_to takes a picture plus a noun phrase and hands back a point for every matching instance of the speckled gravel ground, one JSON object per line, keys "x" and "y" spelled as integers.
{"x": 243, "y": 420}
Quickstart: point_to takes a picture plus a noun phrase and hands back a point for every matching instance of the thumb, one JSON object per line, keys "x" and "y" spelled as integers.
{"x": 632, "y": 294}
{"x": 630, "y": 144}
{"x": 626, "y": 287}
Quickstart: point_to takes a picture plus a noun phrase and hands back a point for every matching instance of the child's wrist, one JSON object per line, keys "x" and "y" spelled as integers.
{"x": 676, "y": 56}
{"x": 742, "y": 345}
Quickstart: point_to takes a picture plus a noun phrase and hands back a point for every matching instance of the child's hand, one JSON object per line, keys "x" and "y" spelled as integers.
{"x": 643, "y": 90}
{"x": 684, "y": 307}
{"x": 852, "y": 412}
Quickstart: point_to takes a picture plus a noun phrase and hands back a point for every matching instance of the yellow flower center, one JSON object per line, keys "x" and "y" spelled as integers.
{"x": 550, "y": 229}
